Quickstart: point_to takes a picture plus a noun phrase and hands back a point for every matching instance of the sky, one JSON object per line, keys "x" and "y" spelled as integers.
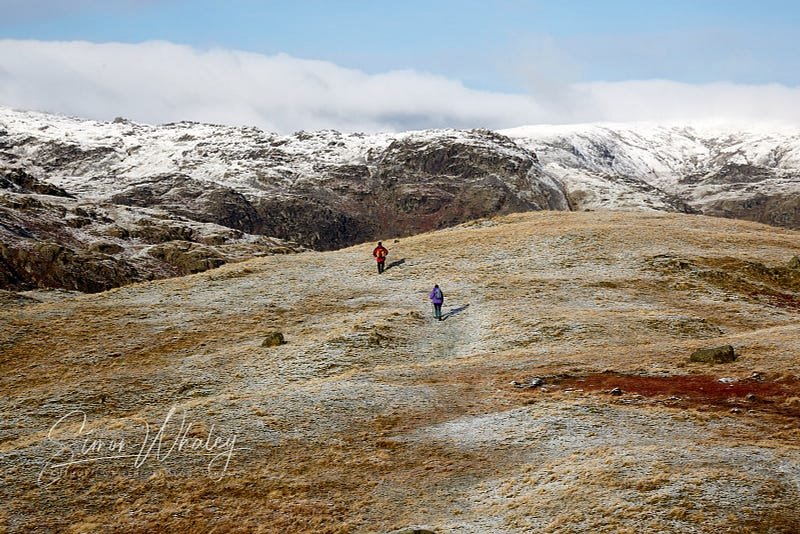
{"x": 359, "y": 65}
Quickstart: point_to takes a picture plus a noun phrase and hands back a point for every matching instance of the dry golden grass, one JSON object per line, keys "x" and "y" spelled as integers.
{"x": 374, "y": 417}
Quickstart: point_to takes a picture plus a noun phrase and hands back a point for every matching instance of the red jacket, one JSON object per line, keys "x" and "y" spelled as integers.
{"x": 380, "y": 254}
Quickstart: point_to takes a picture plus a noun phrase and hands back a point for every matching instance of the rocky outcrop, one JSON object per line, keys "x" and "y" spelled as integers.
{"x": 748, "y": 173}
{"x": 186, "y": 257}
{"x": 730, "y": 173}
{"x": 193, "y": 199}
{"x": 416, "y": 183}
{"x": 273, "y": 339}
{"x": 19, "y": 181}
{"x": 426, "y": 182}
{"x": 776, "y": 209}
{"x": 313, "y": 222}
{"x": 51, "y": 265}
{"x": 59, "y": 242}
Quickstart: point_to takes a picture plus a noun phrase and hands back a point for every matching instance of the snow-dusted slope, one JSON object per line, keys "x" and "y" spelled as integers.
{"x": 98, "y": 159}
{"x": 709, "y": 166}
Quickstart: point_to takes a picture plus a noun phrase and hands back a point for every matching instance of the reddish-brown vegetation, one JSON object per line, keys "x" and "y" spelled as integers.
{"x": 699, "y": 391}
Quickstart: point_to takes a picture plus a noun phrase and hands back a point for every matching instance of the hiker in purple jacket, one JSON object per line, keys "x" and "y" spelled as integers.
{"x": 437, "y": 297}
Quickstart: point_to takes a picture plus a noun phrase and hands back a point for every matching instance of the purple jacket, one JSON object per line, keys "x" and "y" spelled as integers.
{"x": 434, "y": 298}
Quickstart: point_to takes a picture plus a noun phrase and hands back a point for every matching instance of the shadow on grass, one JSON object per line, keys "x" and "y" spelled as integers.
{"x": 454, "y": 311}
{"x": 395, "y": 263}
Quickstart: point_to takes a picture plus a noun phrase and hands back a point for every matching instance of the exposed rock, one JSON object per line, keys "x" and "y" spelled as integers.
{"x": 114, "y": 230}
{"x": 196, "y": 200}
{"x": 19, "y": 181}
{"x": 65, "y": 243}
{"x": 616, "y": 392}
{"x": 221, "y": 238}
{"x": 776, "y": 209}
{"x": 723, "y": 354}
{"x": 433, "y": 180}
{"x": 308, "y": 187}
{"x": 528, "y": 384}
{"x": 105, "y": 247}
{"x": 187, "y": 257}
{"x": 49, "y": 264}
{"x": 687, "y": 169}
{"x": 730, "y": 173}
{"x": 153, "y": 231}
{"x": 273, "y": 339}
{"x": 310, "y": 222}
{"x": 416, "y": 184}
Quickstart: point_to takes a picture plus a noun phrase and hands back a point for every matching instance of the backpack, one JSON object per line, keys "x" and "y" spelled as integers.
{"x": 437, "y": 293}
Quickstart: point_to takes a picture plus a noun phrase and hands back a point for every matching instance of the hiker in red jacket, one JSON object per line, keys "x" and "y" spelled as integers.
{"x": 380, "y": 254}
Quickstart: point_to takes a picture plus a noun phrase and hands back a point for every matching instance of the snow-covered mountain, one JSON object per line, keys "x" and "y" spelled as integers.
{"x": 322, "y": 189}
{"x": 326, "y": 189}
{"x": 748, "y": 172}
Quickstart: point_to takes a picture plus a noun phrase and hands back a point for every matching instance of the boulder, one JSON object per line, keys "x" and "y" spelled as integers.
{"x": 723, "y": 354}
{"x": 273, "y": 339}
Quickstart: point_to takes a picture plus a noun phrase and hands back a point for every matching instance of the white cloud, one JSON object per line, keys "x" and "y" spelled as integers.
{"x": 159, "y": 82}
{"x": 665, "y": 100}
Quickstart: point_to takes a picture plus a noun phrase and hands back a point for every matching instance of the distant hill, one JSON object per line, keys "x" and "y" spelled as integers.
{"x": 749, "y": 172}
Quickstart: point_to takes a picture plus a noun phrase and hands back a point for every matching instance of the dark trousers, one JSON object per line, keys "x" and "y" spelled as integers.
{"x": 381, "y": 265}
{"x": 437, "y": 310}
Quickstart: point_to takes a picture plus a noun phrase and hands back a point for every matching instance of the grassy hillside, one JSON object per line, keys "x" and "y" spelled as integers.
{"x": 156, "y": 407}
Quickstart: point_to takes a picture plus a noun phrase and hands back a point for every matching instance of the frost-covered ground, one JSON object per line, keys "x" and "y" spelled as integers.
{"x": 374, "y": 417}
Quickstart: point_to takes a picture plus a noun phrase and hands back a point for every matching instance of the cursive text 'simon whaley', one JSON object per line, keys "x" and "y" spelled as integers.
{"x": 85, "y": 445}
